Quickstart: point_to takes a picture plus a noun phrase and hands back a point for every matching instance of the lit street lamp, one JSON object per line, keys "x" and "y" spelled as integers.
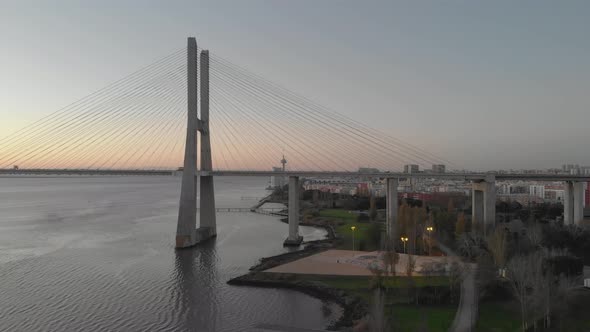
{"x": 429, "y": 229}
{"x": 352, "y": 228}
{"x": 404, "y": 240}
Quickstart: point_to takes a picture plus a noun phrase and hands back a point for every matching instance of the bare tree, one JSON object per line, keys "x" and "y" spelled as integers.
{"x": 390, "y": 259}
{"x": 549, "y": 291}
{"x": 377, "y": 280}
{"x": 378, "y": 322}
{"x": 410, "y": 265}
{"x": 524, "y": 273}
{"x": 535, "y": 235}
{"x": 456, "y": 272}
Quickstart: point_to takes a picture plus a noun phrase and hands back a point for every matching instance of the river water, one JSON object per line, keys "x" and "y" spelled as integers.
{"x": 97, "y": 254}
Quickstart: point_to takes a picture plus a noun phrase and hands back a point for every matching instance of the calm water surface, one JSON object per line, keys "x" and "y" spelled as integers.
{"x": 96, "y": 254}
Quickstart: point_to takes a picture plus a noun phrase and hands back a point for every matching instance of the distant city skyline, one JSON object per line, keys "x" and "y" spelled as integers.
{"x": 495, "y": 85}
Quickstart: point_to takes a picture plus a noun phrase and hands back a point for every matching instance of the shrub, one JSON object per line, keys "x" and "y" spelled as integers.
{"x": 374, "y": 235}
{"x": 496, "y": 290}
{"x": 570, "y": 266}
{"x": 362, "y": 218}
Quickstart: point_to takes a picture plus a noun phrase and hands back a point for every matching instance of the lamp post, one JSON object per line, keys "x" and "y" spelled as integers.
{"x": 404, "y": 240}
{"x": 352, "y": 228}
{"x": 429, "y": 229}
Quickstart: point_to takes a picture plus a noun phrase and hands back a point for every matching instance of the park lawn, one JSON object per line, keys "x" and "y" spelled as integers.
{"x": 505, "y": 316}
{"x": 406, "y": 317}
{"x": 361, "y": 285}
{"x": 413, "y": 318}
{"x": 338, "y": 213}
{"x": 577, "y": 318}
{"x": 361, "y": 232}
{"x": 498, "y": 317}
{"x": 364, "y": 282}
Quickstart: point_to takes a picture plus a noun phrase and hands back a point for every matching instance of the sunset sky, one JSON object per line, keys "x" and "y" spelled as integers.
{"x": 487, "y": 85}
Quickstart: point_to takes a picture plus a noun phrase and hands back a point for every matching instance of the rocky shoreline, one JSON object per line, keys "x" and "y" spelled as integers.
{"x": 354, "y": 308}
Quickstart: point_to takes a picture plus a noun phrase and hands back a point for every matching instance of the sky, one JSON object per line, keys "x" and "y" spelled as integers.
{"x": 487, "y": 85}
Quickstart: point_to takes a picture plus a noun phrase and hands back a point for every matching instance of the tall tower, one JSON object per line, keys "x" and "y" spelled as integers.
{"x": 284, "y": 162}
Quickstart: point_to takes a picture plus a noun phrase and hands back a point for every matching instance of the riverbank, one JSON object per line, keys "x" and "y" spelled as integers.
{"x": 329, "y": 271}
{"x": 313, "y": 223}
{"x": 354, "y": 307}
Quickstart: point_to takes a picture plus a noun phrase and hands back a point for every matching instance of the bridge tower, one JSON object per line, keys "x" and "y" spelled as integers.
{"x": 187, "y": 234}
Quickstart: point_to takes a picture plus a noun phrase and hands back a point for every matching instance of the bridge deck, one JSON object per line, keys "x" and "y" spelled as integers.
{"x": 444, "y": 176}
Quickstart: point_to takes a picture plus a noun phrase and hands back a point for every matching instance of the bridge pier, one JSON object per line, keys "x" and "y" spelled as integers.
{"x": 483, "y": 204}
{"x": 187, "y": 234}
{"x": 573, "y": 203}
{"x": 208, "y": 223}
{"x": 294, "y": 239}
{"x": 391, "y": 223}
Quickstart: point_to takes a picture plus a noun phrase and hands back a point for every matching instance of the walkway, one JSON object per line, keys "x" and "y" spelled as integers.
{"x": 279, "y": 328}
{"x": 466, "y": 315}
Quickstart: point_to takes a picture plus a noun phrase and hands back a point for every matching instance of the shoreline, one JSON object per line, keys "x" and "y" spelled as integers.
{"x": 353, "y": 308}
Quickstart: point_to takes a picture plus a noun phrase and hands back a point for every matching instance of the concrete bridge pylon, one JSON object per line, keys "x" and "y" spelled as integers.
{"x": 187, "y": 234}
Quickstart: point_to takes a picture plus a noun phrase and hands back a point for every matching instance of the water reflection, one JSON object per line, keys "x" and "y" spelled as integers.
{"x": 96, "y": 254}
{"x": 197, "y": 276}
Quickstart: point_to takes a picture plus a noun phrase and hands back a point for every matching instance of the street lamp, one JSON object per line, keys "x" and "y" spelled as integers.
{"x": 404, "y": 240}
{"x": 352, "y": 228}
{"x": 429, "y": 229}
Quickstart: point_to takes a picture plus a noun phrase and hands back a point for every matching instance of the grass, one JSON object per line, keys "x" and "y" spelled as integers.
{"x": 413, "y": 318}
{"x": 364, "y": 282}
{"x": 337, "y": 213}
{"x": 407, "y": 317}
{"x": 361, "y": 232}
{"x": 498, "y": 317}
{"x": 505, "y": 316}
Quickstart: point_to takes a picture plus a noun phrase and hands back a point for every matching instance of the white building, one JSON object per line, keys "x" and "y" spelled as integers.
{"x": 537, "y": 190}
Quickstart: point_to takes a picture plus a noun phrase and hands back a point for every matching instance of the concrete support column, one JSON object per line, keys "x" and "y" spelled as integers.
{"x": 489, "y": 207}
{"x": 568, "y": 203}
{"x": 294, "y": 238}
{"x": 476, "y": 209}
{"x": 187, "y": 211}
{"x": 578, "y": 206}
{"x": 484, "y": 204}
{"x": 207, "y": 218}
{"x": 392, "y": 210}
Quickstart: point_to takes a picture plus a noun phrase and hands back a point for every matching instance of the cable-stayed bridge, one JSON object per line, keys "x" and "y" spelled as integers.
{"x": 236, "y": 125}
